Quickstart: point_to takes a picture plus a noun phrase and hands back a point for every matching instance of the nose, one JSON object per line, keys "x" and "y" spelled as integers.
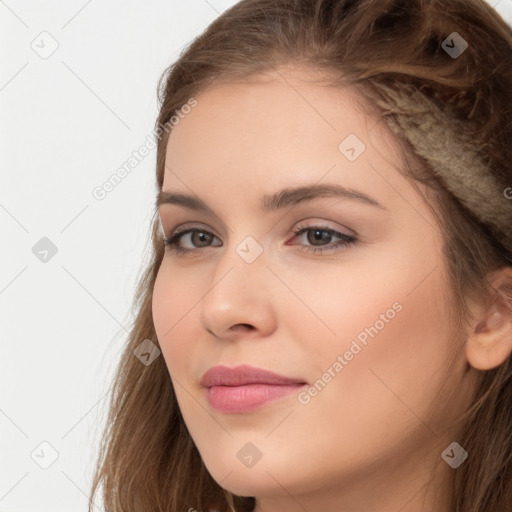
{"x": 240, "y": 298}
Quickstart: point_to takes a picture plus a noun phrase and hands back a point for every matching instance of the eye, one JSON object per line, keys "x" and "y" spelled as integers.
{"x": 317, "y": 236}
{"x": 322, "y": 234}
{"x": 173, "y": 241}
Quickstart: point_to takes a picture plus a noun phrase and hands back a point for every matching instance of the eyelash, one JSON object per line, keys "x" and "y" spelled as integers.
{"x": 346, "y": 240}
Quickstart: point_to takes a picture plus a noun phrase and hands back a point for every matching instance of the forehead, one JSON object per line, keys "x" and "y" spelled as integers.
{"x": 283, "y": 128}
{"x": 293, "y": 100}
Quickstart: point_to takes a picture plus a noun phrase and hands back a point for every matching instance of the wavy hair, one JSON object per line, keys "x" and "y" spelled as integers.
{"x": 452, "y": 118}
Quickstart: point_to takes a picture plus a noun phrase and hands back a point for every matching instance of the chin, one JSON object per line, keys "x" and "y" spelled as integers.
{"x": 246, "y": 482}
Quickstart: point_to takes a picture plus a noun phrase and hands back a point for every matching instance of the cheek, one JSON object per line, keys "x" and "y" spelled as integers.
{"x": 393, "y": 335}
{"x": 394, "y": 363}
{"x": 385, "y": 312}
{"x": 173, "y": 318}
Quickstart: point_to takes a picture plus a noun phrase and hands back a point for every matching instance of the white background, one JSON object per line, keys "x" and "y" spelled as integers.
{"x": 68, "y": 122}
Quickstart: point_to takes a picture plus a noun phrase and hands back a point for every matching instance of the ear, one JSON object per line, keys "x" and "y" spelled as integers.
{"x": 489, "y": 342}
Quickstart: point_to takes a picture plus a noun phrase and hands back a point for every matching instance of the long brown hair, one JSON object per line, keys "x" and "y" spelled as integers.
{"x": 389, "y": 51}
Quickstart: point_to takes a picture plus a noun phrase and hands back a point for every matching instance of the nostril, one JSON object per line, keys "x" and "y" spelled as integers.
{"x": 243, "y": 327}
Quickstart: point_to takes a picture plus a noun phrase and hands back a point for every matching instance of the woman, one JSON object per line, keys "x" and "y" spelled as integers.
{"x": 326, "y": 323}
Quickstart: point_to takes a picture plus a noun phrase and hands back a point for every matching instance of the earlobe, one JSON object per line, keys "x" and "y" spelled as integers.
{"x": 490, "y": 343}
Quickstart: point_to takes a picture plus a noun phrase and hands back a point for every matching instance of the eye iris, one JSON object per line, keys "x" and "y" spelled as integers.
{"x": 316, "y": 238}
{"x": 201, "y": 236}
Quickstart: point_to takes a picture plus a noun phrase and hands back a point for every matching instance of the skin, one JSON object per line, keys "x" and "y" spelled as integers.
{"x": 368, "y": 439}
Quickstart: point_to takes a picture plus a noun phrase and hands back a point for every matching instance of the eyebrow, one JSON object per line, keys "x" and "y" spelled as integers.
{"x": 277, "y": 201}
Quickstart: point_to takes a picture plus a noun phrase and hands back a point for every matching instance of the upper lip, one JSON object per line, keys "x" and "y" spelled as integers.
{"x": 242, "y": 375}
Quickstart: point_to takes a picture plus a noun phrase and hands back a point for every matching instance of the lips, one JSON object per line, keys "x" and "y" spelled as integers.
{"x": 245, "y": 389}
{"x": 243, "y": 375}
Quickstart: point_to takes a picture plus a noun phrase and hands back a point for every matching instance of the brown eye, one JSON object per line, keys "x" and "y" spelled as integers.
{"x": 316, "y": 234}
{"x": 199, "y": 238}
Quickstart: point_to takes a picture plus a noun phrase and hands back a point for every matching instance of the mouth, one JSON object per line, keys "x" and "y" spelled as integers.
{"x": 246, "y": 388}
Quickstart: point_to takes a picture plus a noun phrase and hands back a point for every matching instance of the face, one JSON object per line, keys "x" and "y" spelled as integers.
{"x": 345, "y": 294}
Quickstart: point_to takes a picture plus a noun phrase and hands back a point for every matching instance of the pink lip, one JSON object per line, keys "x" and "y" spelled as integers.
{"x": 245, "y": 388}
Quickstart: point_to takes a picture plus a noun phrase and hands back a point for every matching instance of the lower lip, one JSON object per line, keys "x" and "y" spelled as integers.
{"x": 233, "y": 399}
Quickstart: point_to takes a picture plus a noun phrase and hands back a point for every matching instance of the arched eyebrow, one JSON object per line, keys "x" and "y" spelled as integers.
{"x": 277, "y": 201}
